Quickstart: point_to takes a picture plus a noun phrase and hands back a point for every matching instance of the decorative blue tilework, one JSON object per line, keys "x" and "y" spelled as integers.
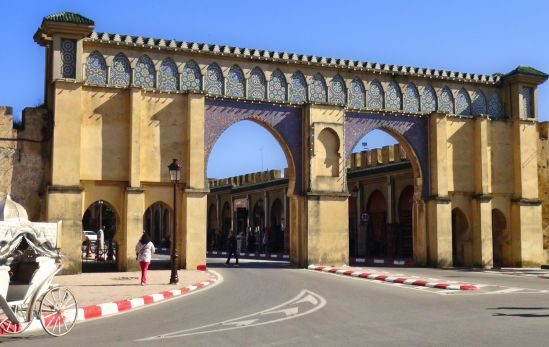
{"x": 428, "y": 100}
{"x": 393, "y": 96}
{"x": 413, "y": 133}
{"x": 356, "y": 94}
{"x": 278, "y": 88}
{"x": 495, "y": 108}
{"x": 96, "y": 69}
{"x": 337, "y": 93}
{"x": 168, "y": 78}
{"x": 446, "y": 101}
{"x": 68, "y": 58}
{"x": 298, "y": 88}
{"x": 213, "y": 82}
{"x": 257, "y": 86}
{"x": 479, "y": 103}
{"x": 375, "y": 96}
{"x": 191, "y": 78}
{"x": 144, "y": 73}
{"x": 120, "y": 71}
{"x": 411, "y": 98}
{"x": 317, "y": 91}
{"x": 527, "y": 107}
{"x": 463, "y": 103}
{"x": 235, "y": 82}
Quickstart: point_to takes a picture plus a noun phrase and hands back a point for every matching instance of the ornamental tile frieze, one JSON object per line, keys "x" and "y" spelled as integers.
{"x": 369, "y": 87}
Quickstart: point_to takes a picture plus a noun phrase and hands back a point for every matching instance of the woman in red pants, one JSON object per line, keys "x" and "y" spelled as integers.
{"x": 144, "y": 251}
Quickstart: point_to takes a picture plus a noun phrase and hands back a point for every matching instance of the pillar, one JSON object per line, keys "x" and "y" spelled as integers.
{"x": 326, "y": 199}
{"x": 65, "y": 195}
{"x": 439, "y": 208}
{"x": 194, "y": 198}
{"x": 134, "y": 208}
{"x": 482, "y": 203}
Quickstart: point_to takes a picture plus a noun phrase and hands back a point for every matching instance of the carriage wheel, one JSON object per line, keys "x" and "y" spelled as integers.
{"x": 58, "y": 311}
{"x": 22, "y": 313}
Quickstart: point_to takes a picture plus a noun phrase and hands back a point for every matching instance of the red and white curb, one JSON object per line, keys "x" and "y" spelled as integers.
{"x": 252, "y": 255}
{"x": 111, "y": 308}
{"x": 392, "y": 279}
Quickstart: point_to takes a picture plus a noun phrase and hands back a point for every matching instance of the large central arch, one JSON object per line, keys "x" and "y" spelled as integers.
{"x": 285, "y": 124}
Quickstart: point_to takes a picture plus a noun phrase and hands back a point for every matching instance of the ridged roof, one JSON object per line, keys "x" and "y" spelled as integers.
{"x": 69, "y": 17}
{"x": 285, "y": 57}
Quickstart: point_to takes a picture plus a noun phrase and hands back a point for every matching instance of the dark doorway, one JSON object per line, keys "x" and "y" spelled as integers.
{"x": 404, "y": 238}
{"x": 376, "y": 240}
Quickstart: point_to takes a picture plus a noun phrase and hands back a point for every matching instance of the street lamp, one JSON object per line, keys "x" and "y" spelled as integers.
{"x": 175, "y": 176}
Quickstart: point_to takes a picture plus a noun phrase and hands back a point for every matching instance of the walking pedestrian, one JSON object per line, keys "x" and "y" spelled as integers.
{"x": 100, "y": 244}
{"x": 231, "y": 247}
{"x": 144, "y": 251}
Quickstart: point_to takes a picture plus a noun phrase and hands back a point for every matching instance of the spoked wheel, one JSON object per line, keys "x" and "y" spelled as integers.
{"x": 58, "y": 311}
{"x": 22, "y": 313}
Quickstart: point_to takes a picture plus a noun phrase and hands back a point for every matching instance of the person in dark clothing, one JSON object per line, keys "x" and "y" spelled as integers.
{"x": 231, "y": 247}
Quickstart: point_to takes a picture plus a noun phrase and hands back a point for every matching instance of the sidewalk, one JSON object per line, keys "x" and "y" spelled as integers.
{"x": 98, "y": 288}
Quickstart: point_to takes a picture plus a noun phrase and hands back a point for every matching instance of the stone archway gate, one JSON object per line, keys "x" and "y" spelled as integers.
{"x": 124, "y": 106}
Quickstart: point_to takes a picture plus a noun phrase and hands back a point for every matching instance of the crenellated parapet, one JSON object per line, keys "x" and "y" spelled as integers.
{"x": 247, "y": 179}
{"x": 377, "y": 157}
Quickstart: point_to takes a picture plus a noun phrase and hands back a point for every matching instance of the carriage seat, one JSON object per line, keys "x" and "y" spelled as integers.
{"x": 4, "y": 280}
{"x": 27, "y": 276}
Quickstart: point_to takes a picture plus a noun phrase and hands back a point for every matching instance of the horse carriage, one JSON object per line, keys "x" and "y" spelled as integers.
{"x": 28, "y": 265}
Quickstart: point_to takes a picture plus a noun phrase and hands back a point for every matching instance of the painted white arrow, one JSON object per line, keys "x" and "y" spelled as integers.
{"x": 288, "y": 312}
{"x": 315, "y": 302}
{"x": 242, "y": 323}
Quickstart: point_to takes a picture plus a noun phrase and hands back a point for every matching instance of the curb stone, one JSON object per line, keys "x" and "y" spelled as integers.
{"x": 111, "y": 308}
{"x": 392, "y": 279}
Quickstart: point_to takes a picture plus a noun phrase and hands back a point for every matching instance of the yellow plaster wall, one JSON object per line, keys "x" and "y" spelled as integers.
{"x": 162, "y": 134}
{"x": 502, "y": 157}
{"x": 461, "y": 164}
{"x": 105, "y": 134}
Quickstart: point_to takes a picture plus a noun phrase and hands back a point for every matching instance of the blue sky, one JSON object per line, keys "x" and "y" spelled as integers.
{"x": 469, "y": 36}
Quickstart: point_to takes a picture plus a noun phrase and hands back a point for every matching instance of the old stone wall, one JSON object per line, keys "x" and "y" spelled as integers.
{"x": 543, "y": 169}
{"x": 25, "y": 159}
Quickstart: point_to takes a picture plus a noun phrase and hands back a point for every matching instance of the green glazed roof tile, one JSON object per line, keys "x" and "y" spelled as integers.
{"x": 69, "y": 17}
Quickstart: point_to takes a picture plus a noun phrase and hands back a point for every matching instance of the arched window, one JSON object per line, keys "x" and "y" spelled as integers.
{"x": 144, "y": 73}
{"x": 213, "y": 83}
{"x": 374, "y": 97}
{"x": 256, "y": 84}
{"x": 356, "y": 94}
{"x": 411, "y": 98}
{"x": 168, "y": 78}
{"x": 96, "y": 69}
{"x": 327, "y": 153}
{"x": 428, "y": 100}
{"x": 393, "y": 99}
{"x": 235, "y": 82}
{"x": 317, "y": 92}
{"x": 463, "y": 103}
{"x": 446, "y": 101}
{"x": 298, "y": 88}
{"x": 191, "y": 78}
{"x": 495, "y": 108}
{"x": 479, "y": 103}
{"x": 278, "y": 87}
{"x": 120, "y": 71}
{"x": 337, "y": 91}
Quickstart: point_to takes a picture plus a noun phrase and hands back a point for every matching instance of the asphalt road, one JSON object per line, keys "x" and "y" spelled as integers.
{"x": 270, "y": 304}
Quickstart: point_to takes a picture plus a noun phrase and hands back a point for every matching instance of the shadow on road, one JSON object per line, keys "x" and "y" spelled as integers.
{"x": 524, "y": 315}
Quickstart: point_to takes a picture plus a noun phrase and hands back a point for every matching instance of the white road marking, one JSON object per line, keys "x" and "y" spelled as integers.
{"x": 306, "y": 301}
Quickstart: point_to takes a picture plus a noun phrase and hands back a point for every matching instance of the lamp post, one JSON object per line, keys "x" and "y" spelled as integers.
{"x": 175, "y": 176}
